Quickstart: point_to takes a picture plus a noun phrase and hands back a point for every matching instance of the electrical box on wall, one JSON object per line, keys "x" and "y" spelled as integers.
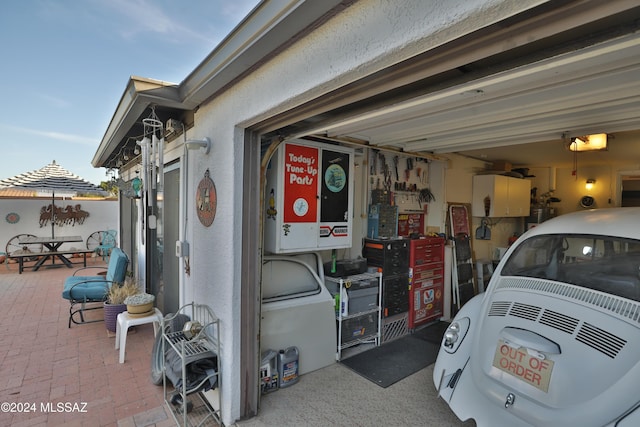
{"x": 182, "y": 248}
{"x": 309, "y": 197}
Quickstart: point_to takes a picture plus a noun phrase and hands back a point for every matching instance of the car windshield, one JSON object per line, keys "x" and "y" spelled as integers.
{"x": 606, "y": 264}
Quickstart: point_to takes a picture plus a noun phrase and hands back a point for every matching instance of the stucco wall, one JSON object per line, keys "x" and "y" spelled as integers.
{"x": 103, "y": 215}
{"x": 366, "y": 37}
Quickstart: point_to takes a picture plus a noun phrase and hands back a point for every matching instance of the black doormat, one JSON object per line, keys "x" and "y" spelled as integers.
{"x": 393, "y": 361}
{"x": 432, "y": 333}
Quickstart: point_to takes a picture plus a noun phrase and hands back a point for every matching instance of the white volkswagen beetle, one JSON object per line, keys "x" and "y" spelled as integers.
{"x": 555, "y": 339}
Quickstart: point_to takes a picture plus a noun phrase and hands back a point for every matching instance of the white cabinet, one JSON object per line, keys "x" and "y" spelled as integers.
{"x": 501, "y": 196}
{"x": 309, "y": 198}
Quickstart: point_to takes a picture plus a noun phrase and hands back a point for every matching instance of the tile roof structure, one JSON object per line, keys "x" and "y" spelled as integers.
{"x": 49, "y": 179}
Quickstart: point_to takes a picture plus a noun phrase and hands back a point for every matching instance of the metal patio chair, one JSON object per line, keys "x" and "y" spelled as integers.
{"x": 92, "y": 290}
{"x": 107, "y": 244}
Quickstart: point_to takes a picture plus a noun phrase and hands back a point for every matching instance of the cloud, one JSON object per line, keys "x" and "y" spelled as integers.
{"x": 55, "y": 101}
{"x": 58, "y": 136}
{"x": 143, "y": 16}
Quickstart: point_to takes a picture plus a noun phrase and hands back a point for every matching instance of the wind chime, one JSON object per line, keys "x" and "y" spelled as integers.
{"x": 151, "y": 182}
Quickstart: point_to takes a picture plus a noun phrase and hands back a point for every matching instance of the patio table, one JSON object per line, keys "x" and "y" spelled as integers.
{"x": 52, "y": 244}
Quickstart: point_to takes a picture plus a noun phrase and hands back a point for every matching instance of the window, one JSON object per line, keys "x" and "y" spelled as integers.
{"x": 602, "y": 263}
{"x": 293, "y": 276}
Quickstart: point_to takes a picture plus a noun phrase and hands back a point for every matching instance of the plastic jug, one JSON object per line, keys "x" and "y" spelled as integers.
{"x": 269, "y": 371}
{"x": 288, "y": 366}
{"x": 344, "y": 302}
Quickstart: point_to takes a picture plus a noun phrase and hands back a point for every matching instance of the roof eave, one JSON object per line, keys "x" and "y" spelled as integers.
{"x": 269, "y": 28}
{"x": 139, "y": 94}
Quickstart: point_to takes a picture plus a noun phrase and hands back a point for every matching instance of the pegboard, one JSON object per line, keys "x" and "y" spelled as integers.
{"x": 405, "y": 179}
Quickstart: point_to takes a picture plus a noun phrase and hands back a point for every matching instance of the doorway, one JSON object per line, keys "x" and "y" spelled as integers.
{"x": 170, "y": 288}
{"x": 629, "y": 188}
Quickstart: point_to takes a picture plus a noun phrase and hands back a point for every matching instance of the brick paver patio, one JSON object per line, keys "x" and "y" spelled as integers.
{"x": 54, "y": 375}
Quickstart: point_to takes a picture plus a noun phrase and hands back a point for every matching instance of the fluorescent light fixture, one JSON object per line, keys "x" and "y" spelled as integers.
{"x": 593, "y": 142}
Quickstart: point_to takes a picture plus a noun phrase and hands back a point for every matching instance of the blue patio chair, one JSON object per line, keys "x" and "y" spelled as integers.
{"x": 83, "y": 290}
{"x": 107, "y": 244}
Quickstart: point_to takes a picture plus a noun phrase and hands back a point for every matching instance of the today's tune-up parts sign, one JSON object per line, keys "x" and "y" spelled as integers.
{"x": 310, "y": 197}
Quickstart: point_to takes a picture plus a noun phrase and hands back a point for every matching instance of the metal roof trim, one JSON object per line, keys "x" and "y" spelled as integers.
{"x": 271, "y": 26}
{"x": 138, "y": 95}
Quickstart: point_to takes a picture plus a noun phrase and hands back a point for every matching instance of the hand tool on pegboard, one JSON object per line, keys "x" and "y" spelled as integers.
{"x": 396, "y": 160}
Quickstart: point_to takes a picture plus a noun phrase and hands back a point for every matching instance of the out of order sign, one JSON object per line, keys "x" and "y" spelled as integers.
{"x": 530, "y": 368}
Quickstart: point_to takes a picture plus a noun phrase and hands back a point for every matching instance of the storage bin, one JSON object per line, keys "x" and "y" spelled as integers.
{"x": 359, "y": 327}
{"x": 392, "y": 255}
{"x": 362, "y": 299}
{"x": 334, "y": 287}
{"x": 395, "y": 291}
{"x": 346, "y": 267}
{"x": 382, "y": 221}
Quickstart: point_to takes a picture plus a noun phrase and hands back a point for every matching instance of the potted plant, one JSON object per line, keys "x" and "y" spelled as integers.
{"x": 140, "y": 305}
{"x": 115, "y": 304}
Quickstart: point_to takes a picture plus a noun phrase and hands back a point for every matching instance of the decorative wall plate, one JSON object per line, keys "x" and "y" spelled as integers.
{"x": 206, "y": 200}
{"x": 587, "y": 201}
{"x": 12, "y": 218}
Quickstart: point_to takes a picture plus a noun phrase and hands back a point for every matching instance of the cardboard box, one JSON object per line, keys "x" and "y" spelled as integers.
{"x": 501, "y": 165}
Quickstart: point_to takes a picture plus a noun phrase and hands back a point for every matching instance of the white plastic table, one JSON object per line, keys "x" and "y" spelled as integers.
{"x": 125, "y": 321}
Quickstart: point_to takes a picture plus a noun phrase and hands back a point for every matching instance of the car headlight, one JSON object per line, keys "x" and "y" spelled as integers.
{"x": 455, "y": 333}
{"x": 451, "y": 335}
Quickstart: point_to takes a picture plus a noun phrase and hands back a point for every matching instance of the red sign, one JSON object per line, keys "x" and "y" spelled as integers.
{"x": 300, "y": 184}
{"x": 410, "y": 223}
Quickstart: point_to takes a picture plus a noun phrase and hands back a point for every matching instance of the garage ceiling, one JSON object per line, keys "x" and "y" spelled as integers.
{"x": 527, "y": 109}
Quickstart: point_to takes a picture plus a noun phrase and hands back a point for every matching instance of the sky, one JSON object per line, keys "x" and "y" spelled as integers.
{"x": 66, "y": 63}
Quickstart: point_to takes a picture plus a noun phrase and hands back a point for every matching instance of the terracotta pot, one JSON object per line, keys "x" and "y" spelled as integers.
{"x": 111, "y": 312}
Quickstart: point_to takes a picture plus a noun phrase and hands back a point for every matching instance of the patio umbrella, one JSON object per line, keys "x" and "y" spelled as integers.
{"x": 55, "y": 180}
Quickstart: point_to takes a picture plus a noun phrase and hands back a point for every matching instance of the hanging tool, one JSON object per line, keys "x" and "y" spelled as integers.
{"x": 387, "y": 178}
{"x": 396, "y": 160}
{"x": 426, "y": 196}
{"x": 387, "y": 182}
{"x": 383, "y": 160}
{"x": 374, "y": 162}
{"x": 483, "y": 232}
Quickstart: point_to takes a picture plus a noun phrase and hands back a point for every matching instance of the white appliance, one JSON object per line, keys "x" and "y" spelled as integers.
{"x": 298, "y": 310}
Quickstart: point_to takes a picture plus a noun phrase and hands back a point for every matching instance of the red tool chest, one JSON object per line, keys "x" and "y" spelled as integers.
{"x": 426, "y": 280}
